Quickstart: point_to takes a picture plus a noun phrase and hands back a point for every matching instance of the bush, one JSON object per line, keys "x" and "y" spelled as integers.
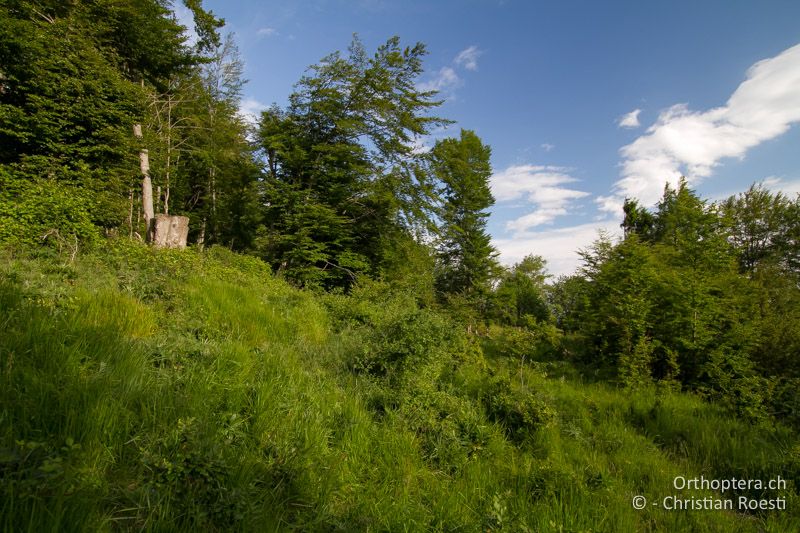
{"x": 44, "y": 212}
{"x": 190, "y": 479}
{"x": 731, "y": 379}
{"x": 520, "y": 413}
{"x": 634, "y": 366}
{"x": 535, "y": 342}
{"x": 404, "y": 344}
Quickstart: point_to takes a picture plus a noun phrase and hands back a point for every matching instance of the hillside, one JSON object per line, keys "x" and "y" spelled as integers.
{"x": 217, "y": 315}
{"x": 185, "y": 390}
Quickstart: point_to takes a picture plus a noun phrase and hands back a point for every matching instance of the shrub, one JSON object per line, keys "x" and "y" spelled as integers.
{"x": 731, "y": 379}
{"x": 519, "y": 412}
{"x": 634, "y": 366}
{"x": 405, "y": 343}
{"x": 44, "y": 212}
{"x": 184, "y": 475}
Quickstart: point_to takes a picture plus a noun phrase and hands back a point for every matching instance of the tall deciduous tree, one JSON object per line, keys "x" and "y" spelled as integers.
{"x": 343, "y": 175}
{"x": 758, "y": 223}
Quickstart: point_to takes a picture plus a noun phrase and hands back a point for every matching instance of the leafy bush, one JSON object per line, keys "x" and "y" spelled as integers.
{"x": 520, "y": 413}
{"x": 182, "y": 474}
{"x": 634, "y": 366}
{"x": 404, "y": 344}
{"x": 733, "y": 381}
{"x": 536, "y": 341}
{"x": 784, "y": 402}
{"x": 45, "y": 212}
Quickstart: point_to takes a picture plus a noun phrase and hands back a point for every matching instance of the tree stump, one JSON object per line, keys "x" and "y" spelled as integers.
{"x": 170, "y": 231}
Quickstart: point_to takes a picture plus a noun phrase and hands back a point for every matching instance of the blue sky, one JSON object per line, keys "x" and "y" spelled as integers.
{"x": 583, "y": 103}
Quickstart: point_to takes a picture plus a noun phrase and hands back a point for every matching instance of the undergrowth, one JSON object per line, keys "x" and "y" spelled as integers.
{"x": 185, "y": 390}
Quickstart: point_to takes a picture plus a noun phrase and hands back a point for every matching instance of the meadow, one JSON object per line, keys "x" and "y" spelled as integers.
{"x": 167, "y": 390}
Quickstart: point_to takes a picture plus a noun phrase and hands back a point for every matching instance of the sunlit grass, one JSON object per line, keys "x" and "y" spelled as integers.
{"x": 183, "y": 391}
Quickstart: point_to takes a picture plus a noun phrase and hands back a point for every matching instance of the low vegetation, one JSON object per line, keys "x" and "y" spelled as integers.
{"x": 177, "y": 390}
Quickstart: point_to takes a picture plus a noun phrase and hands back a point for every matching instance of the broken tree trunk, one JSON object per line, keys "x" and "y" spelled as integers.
{"x": 147, "y": 185}
{"x": 170, "y": 231}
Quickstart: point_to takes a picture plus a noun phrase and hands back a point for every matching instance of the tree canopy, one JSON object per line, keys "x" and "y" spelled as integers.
{"x": 343, "y": 176}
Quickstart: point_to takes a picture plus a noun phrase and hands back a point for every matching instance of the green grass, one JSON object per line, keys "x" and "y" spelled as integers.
{"x": 179, "y": 391}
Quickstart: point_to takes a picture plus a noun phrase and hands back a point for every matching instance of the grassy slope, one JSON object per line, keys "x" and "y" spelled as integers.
{"x": 178, "y": 391}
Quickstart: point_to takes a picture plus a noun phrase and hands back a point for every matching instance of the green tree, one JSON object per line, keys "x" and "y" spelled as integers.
{"x": 217, "y": 167}
{"x": 758, "y": 224}
{"x": 466, "y": 256}
{"x": 622, "y": 304}
{"x": 638, "y": 220}
{"x": 699, "y": 287}
{"x": 343, "y": 176}
{"x": 65, "y": 111}
{"x": 521, "y": 295}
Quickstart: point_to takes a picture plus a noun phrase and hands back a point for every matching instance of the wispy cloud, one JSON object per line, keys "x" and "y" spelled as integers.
{"x": 445, "y": 81}
{"x": 788, "y": 186}
{"x": 547, "y": 147}
{"x": 629, "y": 120}
{"x": 693, "y": 143}
{"x": 468, "y": 58}
{"x": 266, "y": 32}
{"x": 540, "y": 186}
{"x": 250, "y": 110}
{"x": 558, "y": 246}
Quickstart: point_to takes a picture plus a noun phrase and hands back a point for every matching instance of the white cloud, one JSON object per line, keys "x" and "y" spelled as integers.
{"x": 558, "y": 246}
{"x": 693, "y": 143}
{"x": 629, "y": 120}
{"x": 610, "y": 204}
{"x": 541, "y": 186}
{"x": 421, "y": 146}
{"x": 266, "y": 32}
{"x": 446, "y": 80}
{"x": 547, "y": 147}
{"x": 791, "y": 187}
{"x": 468, "y": 58}
{"x": 250, "y": 110}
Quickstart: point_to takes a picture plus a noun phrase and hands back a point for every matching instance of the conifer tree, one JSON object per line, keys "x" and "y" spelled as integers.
{"x": 466, "y": 256}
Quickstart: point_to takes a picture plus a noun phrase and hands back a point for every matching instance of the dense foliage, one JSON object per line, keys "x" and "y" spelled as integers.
{"x": 702, "y": 295}
{"x": 343, "y": 180}
{"x": 467, "y": 259}
{"x": 339, "y": 349}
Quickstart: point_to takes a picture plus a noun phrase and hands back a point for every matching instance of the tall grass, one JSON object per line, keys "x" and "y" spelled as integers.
{"x": 176, "y": 391}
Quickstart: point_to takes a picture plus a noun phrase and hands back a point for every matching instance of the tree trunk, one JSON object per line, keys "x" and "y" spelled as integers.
{"x": 147, "y": 184}
{"x": 201, "y": 239}
{"x": 130, "y": 214}
{"x": 170, "y": 231}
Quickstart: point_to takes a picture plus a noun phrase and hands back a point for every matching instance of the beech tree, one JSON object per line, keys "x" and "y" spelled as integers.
{"x": 343, "y": 177}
